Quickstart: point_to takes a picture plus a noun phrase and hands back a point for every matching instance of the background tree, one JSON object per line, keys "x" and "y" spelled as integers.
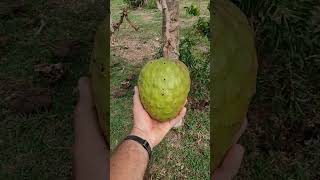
{"x": 170, "y": 28}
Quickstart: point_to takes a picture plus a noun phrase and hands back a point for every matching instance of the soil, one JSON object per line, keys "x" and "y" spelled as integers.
{"x": 133, "y": 50}
{"x": 23, "y": 97}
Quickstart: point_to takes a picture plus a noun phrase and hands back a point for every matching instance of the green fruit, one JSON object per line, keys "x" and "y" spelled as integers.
{"x": 99, "y": 71}
{"x": 234, "y": 75}
{"x": 164, "y": 86}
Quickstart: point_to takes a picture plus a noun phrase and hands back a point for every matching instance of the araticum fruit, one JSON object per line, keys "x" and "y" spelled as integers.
{"x": 164, "y": 85}
{"x": 234, "y": 63}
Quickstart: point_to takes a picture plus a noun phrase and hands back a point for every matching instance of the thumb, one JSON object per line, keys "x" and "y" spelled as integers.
{"x": 136, "y": 99}
{"x": 231, "y": 164}
{"x": 179, "y": 118}
{"x": 85, "y": 93}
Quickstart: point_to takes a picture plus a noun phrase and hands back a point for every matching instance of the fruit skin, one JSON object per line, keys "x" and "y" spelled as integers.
{"x": 164, "y": 85}
{"x": 99, "y": 71}
{"x": 234, "y": 73}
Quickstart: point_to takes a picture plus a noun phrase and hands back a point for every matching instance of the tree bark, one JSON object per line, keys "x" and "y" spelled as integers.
{"x": 111, "y": 26}
{"x": 170, "y": 33}
{"x": 170, "y": 28}
{"x": 159, "y": 6}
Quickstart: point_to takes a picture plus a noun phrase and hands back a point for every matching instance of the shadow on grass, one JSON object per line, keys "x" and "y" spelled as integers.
{"x": 284, "y": 120}
{"x": 38, "y": 145}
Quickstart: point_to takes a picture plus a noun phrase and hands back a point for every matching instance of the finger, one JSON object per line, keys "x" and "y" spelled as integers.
{"x": 179, "y": 118}
{"x": 231, "y": 164}
{"x": 89, "y": 148}
{"x": 85, "y": 93}
{"x": 85, "y": 119}
{"x": 179, "y": 123}
{"x": 185, "y": 102}
{"x": 136, "y": 99}
{"x": 85, "y": 100}
{"x": 241, "y": 131}
{"x": 90, "y": 153}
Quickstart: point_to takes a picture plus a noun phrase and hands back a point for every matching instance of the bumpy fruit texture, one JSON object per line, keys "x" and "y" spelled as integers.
{"x": 234, "y": 75}
{"x": 99, "y": 70}
{"x": 164, "y": 85}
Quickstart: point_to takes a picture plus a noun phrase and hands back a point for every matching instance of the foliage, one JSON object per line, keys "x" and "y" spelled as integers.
{"x": 198, "y": 63}
{"x": 37, "y": 145}
{"x": 203, "y": 26}
{"x": 193, "y": 10}
{"x": 286, "y": 32}
{"x": 181, "y": 141}
{"x": 134, "y": 3}
{"x": 287, "y": 39}
{"x": 151, "y": 4}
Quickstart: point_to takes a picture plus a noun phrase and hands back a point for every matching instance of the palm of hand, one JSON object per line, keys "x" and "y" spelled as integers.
{"x": 151, "y": 130}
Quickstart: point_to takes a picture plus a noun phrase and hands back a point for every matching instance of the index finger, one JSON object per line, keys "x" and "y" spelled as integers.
{"x": 241, "y": 131}
{"x": 136, "y": 99}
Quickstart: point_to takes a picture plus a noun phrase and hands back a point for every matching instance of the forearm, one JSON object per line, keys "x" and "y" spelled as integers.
{"x": 129, "y": 161}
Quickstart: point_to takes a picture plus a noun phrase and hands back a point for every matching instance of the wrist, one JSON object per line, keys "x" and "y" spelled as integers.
{"x": 134, "y": 146}
{"x": 140, "y": 133}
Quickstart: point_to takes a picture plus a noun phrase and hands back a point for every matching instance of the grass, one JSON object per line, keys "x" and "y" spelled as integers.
{"x": 38, "y": 145}
{"x": 282, "y": 139}
{"x": 184, "y": 153}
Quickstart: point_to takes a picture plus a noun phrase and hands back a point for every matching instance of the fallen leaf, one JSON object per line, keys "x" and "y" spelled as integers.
{"x": 131, "y": 77}
{"x": 113, "y": 89}
{"x": 126, "y": 84}
{"x": 203, "y": 103}
{"x": 198, "y": 104}
{"x": 4, "y": 41}
{"x": 115, "y": 64}
{"x": 66, "y": 48}
{"x": 51, "y": 72}
{"x": 31, "y": 100}
{"x": 10, "y": 6}
{"x": 120, "y": 93}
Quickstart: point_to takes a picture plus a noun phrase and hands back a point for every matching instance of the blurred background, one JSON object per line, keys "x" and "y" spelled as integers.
{"x": 282, "y": 139}
{"x": 184, "y": 153}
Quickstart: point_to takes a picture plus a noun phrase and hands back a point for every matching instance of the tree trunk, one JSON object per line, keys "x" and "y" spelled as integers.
{"x": 170, "y": 32}
{"x": 170, "y": 28}
{"x": 159, "y": 6}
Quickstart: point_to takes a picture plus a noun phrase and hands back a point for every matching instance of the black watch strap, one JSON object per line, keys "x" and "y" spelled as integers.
{"x": 141, "y": 141}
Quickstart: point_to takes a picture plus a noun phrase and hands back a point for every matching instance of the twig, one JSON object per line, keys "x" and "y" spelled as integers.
{"x": 124, "y": 14}
{"x": 131, "y": 24}
{"x": 42, "y": 24}
{"x": 167, "y": 25}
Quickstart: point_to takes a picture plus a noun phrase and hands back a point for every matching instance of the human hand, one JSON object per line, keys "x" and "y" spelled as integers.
{"x": 90, "y": 153}
{"x": 232, "y": 161}
{"x": 145, "y": 127}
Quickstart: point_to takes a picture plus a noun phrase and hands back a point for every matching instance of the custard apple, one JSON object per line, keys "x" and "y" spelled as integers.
{"x": 164, "y": 85}
{"x": 234, "y": 73}
{"x": 99, "y": 70}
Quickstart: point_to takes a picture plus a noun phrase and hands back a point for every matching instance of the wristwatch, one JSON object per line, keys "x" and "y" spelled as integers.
{"x": 141, "y": 141}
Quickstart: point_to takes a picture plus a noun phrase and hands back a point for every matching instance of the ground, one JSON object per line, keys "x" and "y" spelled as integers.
{"x": 282, "y": 139}
{"x": 184, "y": 153}
{"x": 37, "y": 145}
